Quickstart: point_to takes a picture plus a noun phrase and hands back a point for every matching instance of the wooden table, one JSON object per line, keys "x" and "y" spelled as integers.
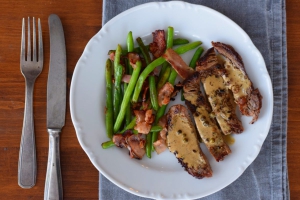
{"x": 81, "y": 20}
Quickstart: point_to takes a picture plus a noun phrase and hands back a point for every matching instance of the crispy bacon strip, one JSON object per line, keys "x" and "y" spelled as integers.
{"x": 248, "y": 99}
{"x": 219, "y": 96}
{"x": 164, "y": 94}
{"x": 158, "y": 46}
{"x": 177, "y": 63}
{"x": 133, "y": 58}
{"x": 144, "y": 119}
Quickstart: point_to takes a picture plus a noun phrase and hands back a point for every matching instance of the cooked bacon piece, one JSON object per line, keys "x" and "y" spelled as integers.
{"x": 112, "y": 56}
{"x": 177, "y": 63}
{"x": 126, "y": 78}
{"x": 182, "y": 141}
{"x": 135, "y": 143}
{"x": 209, "y": 132}
{"x": 119, "y": 140}
{"x": 248, "y": 99}
{"x": 136, "y": 146}
{"x": 158, "y": 46}
{"x": 140, "y": 115}
{"x": 133, "y": 58}
{"x": 163, "y": 121}
{"x": 163, "y": 133}
{"x": 160, "y": 145}
{"x": 144, "y": 119}
{"x": 219, "y": 96}
{"x": 164, "y": 94}
{"x": 149, "y": 117}
{"x": 143, "y": 127}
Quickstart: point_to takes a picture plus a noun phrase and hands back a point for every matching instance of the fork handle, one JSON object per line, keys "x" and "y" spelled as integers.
{"x": 27, "y": 155}
{"x": 53, "y": 185}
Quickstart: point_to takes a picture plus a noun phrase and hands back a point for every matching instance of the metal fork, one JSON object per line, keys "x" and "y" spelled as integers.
{"x": 31, "y": 67}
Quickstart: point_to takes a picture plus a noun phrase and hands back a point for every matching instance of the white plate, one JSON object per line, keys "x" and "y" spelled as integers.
{"x": 162, "y": 177}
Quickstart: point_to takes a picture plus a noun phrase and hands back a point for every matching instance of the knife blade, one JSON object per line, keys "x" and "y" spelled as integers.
{"x": 56, "y": 106}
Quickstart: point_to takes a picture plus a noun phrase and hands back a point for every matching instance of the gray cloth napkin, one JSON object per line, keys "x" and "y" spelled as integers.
{"x": 265, "y": 23}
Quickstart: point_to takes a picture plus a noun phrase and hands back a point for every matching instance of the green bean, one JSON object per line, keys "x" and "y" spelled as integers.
{"x": 128, "y": 110}
{"x": 187, "y": 47}
{"x": 164, "y": 78}
{"x": 117, "y": 58}
{"x": 172, "y": 77}
{"x": 180, "y": 41}
{"x": 127, "y": 96}
{"x": 144, "y": 75}
{"x": 109, "y": 114}
{"x": 144, "y": 50}
{"x": 130, "y": 125}
{"x": 170, "y": 37}
{"x": 195, "y": 57}
{"x": 148, "y": 145}
{"x": 117, "y": 90}
{"x": 156, "y": 128}
{"x": 130, "y": 48}
{"x": 153, "y": 92}
{"x": 108, "y": 144}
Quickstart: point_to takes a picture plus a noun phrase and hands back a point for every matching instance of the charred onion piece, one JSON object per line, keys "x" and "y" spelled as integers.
{"x": 248, "y": 99}
{"x": 210, "y": 133}
{"x": 219, "y": 96}
{"x": 182, "y": 141}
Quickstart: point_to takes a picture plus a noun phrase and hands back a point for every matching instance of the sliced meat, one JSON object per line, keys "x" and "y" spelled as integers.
{"x": 164, "y": 94}
{"x": 178, "y": 63}
{"x": 236, "y": 79}
{"x": 219, "y": 96}
{"x": 182, "y": 141}
{"x": 158, "y": 46}
{"x": 136, "y": 146}
{"x": 209, "y": 132}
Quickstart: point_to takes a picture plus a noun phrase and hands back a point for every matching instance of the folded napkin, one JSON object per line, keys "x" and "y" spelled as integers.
{"x": 265, "y": 23}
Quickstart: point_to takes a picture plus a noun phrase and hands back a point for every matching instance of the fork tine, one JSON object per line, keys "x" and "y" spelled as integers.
{"x": 22, "y": 57}
{"x": 28, "y": 42}
{"x": 34, "y": 40}
{"x": 41, "y": 53}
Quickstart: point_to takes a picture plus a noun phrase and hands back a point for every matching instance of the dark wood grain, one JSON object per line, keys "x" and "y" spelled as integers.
{"x": 293, "y": 46}
{"x": 81, "y": 20}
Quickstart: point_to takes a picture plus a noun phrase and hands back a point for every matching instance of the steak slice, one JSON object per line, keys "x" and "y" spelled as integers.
{"x": 236, "y": 79}
{"x": 219, "y": 96}
{"x": 182, "y": 141}
{"x": 209, "y": 132}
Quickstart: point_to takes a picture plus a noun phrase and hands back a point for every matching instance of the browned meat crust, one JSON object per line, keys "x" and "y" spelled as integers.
{"x": 158, "y": 46}
{"x": 182, "y": 141}
{"x": 209, "y": 132}
{"x": 248, "y": 99}
{"x": 178, "y": 63}
{"x": 219, "y": 96}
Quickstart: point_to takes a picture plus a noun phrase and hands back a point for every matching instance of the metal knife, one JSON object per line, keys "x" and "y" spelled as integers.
{"x": 56, "y": 106}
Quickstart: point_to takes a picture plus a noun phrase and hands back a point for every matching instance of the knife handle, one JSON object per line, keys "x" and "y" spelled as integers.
{"x": 27, "y": 155}
{"x": 53, "y": 185}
